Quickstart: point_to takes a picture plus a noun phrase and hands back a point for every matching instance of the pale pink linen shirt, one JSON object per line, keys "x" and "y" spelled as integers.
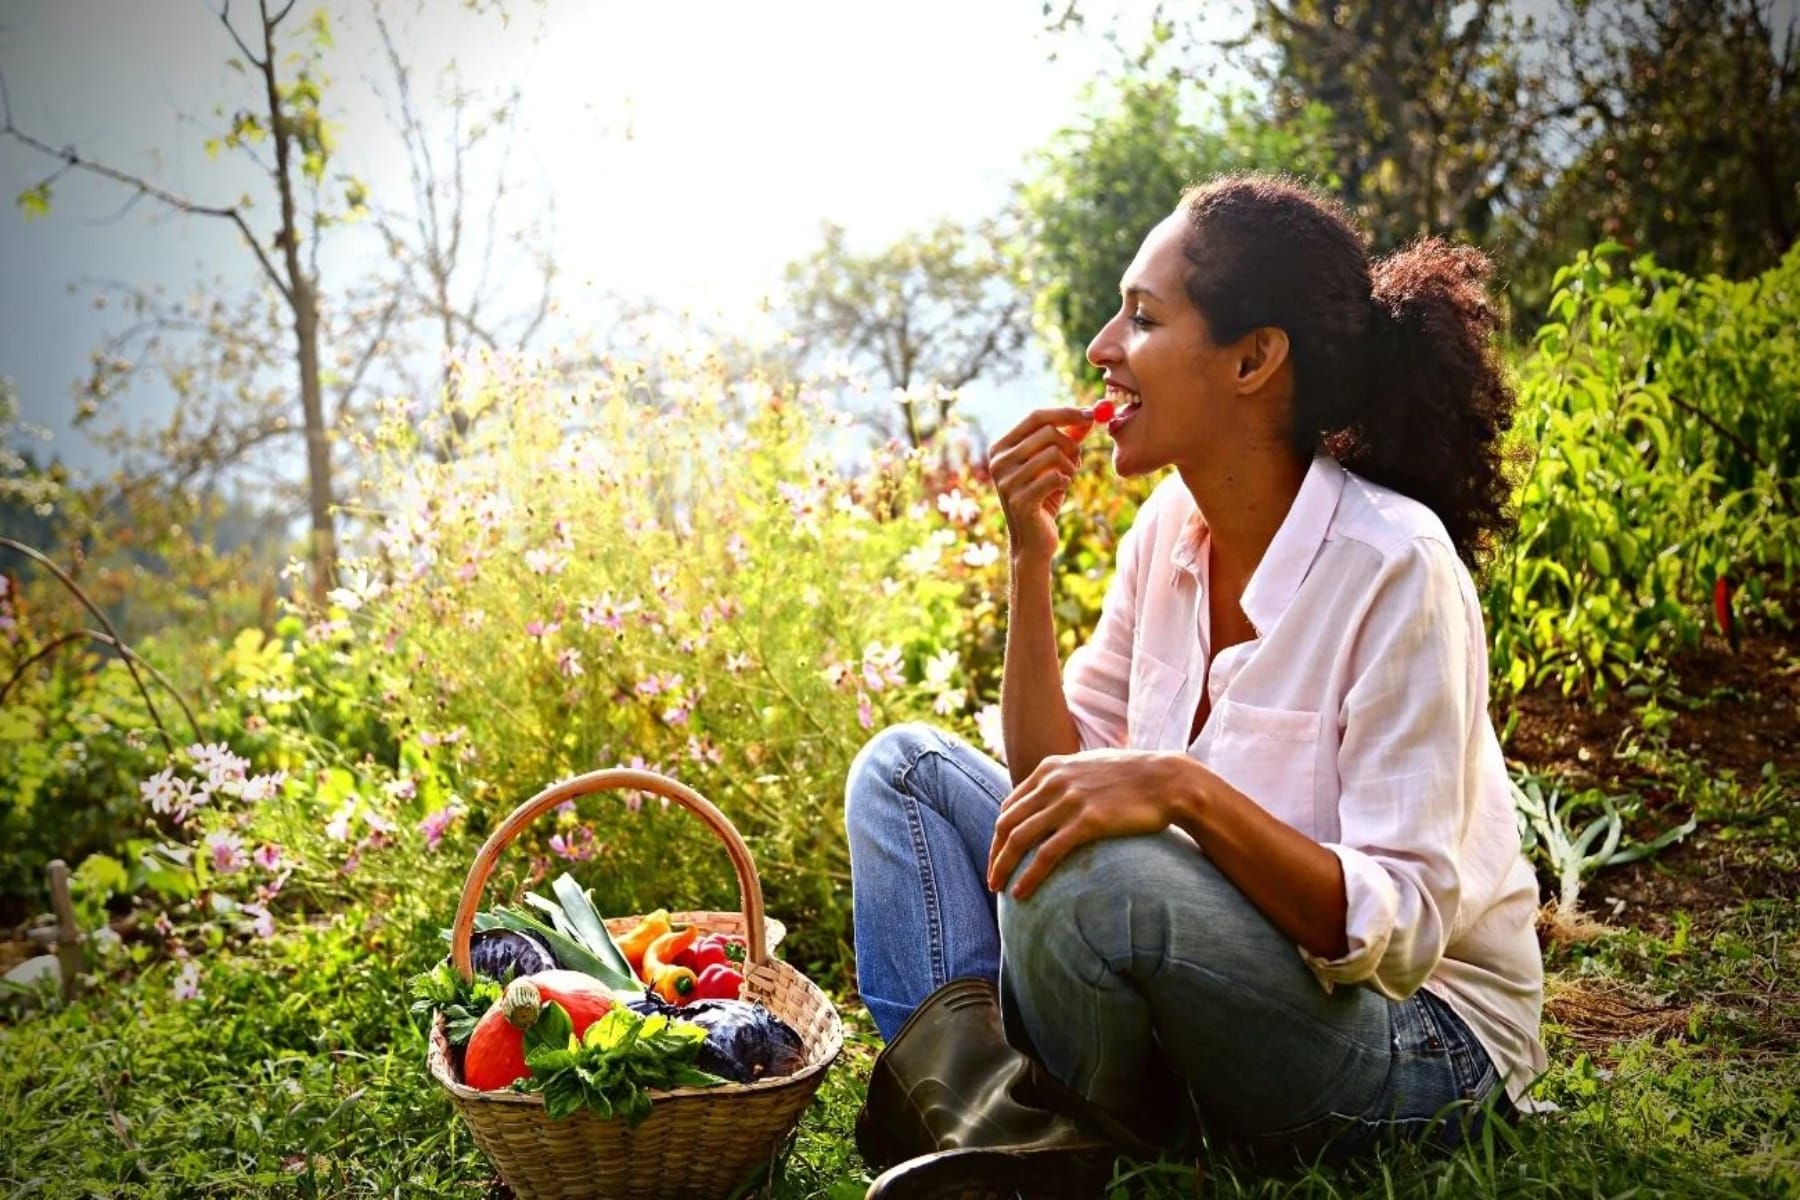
{"x": 1357, "y": 715}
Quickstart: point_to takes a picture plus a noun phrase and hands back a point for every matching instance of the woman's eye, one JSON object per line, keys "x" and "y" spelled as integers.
{"x": 1141, "y": 321}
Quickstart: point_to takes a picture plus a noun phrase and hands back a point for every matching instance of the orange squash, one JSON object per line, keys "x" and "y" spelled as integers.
{"x": 495, "y": 1058}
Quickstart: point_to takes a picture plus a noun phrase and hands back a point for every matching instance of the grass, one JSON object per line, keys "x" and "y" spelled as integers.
{"x": 1674, "y": 1039}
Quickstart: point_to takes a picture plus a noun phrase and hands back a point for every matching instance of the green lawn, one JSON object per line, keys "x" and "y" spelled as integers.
{"x": 1673, "y": 1031}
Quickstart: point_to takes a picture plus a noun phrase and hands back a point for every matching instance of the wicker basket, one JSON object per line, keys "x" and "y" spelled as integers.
{"x": 697, "y": 1143}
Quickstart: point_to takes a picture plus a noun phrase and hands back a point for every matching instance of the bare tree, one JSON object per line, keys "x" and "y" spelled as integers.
{"x": 443, "y": 252}
{"x": 444, "y": 283}
{"x": 935, "y": 310}
{"x": 283, "y": 112}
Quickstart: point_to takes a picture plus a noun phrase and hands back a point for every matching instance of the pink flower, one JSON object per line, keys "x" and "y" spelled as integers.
{"x": 568, "y": 661}
{"x": 579, "y": 846}
{"x": 226, "y": 850}
{"x": 539, "y": 630}
{"x": 435, "y": 824}
{"x": 264, "y": 921}
{"x": 865, "y": 711}
{"x": 267, "y": 856}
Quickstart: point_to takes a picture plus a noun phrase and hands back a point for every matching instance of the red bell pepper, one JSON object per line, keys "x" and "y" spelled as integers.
{"x": 716, "y": 949}
{"x": 719, "y": 982}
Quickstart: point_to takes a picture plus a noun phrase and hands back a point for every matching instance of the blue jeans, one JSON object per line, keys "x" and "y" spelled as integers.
{"x": 1134, "y": 955}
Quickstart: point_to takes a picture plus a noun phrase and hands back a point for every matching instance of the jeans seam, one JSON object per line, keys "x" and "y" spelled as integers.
{"x": 934, "y": 938}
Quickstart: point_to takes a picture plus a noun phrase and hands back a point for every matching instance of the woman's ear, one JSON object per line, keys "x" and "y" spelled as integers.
{"x": 1260, "y": 354}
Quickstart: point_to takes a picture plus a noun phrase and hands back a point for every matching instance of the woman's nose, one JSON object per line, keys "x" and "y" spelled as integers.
{"x": 1103, "y": 351}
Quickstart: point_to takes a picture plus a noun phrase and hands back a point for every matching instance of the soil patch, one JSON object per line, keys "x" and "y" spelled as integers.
{"x": 1739, "y": 712}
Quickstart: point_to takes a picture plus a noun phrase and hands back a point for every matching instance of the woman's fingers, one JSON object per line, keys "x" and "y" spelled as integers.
{"x": 1033, "y": 448}
{"x": 1025, "y": 826}
{"x": 1043, "y": 418}
{"x": 1050, "y": 852}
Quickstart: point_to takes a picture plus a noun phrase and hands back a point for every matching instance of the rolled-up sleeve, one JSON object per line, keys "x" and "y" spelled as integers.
{"x": 1406, "y": 766}
{"x": 1097, "y": 676}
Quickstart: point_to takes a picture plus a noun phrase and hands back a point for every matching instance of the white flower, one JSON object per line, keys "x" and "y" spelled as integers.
{"x": 959, "y": 508}
{"x": 940, "y": 670}
{"x": 356, "y": 588}
{"x": 338, "y": 828}
{"x": 187, "y": 983}
{"x": 881, "y": 666}
{"x": 922, "y": 560}
{"x": 987, "y": 724}
{"x": 261, "y": 787}
{"x": 981, "y": 554}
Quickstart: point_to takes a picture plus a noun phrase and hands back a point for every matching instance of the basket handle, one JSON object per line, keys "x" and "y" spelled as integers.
{"x": 750, "y": 897}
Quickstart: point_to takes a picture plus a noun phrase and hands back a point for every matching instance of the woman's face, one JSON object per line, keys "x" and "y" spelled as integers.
{"x": 1173, "y": 388}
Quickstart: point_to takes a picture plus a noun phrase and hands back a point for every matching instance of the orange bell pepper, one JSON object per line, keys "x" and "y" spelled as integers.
{"x": 632, "y": 945}
{"x": 676, "y": 985}
{"x": 661, "y": 952}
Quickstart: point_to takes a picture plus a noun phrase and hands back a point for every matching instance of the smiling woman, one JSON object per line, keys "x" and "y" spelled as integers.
{"x": 1255, "y": 837}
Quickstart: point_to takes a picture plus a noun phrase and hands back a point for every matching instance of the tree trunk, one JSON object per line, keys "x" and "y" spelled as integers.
{"x": 318, "y": 444}
{"x": 303, "y": 298}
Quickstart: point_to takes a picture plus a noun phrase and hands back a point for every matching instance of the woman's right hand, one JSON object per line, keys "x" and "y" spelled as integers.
{"x": 1032, "y": 464}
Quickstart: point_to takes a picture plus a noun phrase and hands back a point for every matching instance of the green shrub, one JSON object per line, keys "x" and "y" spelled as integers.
{"x": 1664, "y": 416}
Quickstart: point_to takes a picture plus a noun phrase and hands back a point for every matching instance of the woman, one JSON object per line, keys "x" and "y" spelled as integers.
{"x": 1258, "y": 830}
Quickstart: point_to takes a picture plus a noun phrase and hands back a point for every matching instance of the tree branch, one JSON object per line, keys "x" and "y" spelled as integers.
{"x": 73, "y": 160}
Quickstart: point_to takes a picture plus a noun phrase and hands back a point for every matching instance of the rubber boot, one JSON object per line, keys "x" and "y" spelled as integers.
{"x": 955, "y": 1112}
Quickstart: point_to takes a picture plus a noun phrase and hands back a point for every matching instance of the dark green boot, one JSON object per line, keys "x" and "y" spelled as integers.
{"x": 955, "y": 1112}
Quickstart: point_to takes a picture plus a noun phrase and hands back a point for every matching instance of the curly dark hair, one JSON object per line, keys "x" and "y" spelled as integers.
{"x": 1396, "y": 371}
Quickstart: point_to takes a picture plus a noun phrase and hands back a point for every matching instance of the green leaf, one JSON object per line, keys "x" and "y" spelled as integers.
{"x": 578, "y": 907}
{"x": 552, "y": 1031}
{"x": 34, "y": 201}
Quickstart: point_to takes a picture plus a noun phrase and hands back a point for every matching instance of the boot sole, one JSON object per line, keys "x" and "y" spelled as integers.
{"x": 1050, "y": 1173}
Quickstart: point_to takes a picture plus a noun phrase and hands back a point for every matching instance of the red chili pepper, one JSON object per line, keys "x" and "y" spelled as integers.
{"x": 719, "y": 982}
{"x": 1722, "y": 610}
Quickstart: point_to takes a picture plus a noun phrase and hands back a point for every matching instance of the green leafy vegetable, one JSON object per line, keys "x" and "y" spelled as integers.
{"x": 441, "y": 989}
{"x": 612, "y": 1070}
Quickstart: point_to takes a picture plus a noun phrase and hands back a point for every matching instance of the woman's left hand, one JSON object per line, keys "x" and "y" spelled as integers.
{"x": 1070, "y": 800}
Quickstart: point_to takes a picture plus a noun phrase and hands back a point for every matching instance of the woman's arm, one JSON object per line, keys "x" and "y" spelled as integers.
{"x": 1031, "y": 465}
{"x": 1034, "y": 715}
{"x": 1293, "y": 880}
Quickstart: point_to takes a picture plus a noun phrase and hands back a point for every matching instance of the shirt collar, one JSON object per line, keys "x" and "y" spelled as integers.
{"x": 1289, "y": 556}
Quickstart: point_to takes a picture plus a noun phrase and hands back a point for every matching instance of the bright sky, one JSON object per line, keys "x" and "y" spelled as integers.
{"x": 750, "y": 123}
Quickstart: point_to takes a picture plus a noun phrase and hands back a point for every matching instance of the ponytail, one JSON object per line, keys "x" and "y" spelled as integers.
{"x": 1396, "y": 372}
{"x": 1436, "y": 405}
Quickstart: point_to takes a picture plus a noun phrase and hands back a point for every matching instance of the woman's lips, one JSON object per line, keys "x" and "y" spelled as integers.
{"x": 1125, "y": 405}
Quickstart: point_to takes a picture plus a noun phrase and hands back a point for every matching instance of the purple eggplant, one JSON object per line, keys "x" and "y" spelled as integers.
{"x": 505, "y": 955}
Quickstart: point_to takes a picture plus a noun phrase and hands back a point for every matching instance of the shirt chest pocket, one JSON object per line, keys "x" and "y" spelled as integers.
{"x": 1154, "y": 686}
{"x": 1270, "y": 755}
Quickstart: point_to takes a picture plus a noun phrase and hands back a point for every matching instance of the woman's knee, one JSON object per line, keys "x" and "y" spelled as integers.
{"x": 1121, "y": 898}
{"x": 869, "y": 788}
